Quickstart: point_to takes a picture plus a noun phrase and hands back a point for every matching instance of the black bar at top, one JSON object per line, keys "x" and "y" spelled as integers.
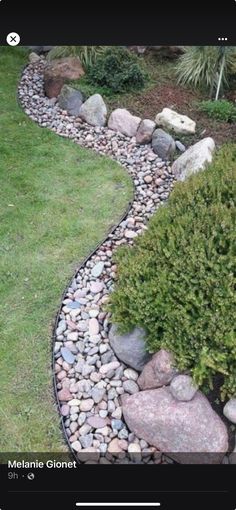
{"x": 158, "y": 30}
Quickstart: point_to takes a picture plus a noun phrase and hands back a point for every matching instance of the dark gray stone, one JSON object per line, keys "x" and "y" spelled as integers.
{"x": 70, "y": 100}
{"x": 107, "y": 357}
{"x": 163, "y": 144}
{"x": 130, "y": 348}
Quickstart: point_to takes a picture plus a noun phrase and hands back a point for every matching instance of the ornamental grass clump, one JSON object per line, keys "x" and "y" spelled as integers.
{"x": 178, "y": 280}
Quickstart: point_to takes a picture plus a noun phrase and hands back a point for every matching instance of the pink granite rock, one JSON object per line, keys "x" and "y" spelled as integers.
{"x": 176, "y": 427}
{"x": 158, "y": 372}
{"x": 124, "y": 122}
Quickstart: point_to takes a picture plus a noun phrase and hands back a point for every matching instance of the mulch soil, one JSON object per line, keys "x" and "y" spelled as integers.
{"x": 147, "y": 104}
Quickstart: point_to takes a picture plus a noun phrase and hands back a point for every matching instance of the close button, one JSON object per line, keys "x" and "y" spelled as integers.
{"x": 13, "y": 39}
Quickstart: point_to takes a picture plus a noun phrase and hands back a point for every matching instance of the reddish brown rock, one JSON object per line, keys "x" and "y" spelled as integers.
{"x": 58, "y": 72}
{"x": 158, "y": 372}
{"x": 145, "y": 131}
{"x": 53, "y": 86}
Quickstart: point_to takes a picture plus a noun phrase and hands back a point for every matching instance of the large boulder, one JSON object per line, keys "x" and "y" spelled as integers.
{"x": 145, "y": 131}
{"x": 169, "y": 119}
{"x": 158, "y": 372}
{"x": 94, "y": 111}
{"x": 163, "y": 144}
{"x": 177, "y": 428}
{"x": 124, "y": 122}
{"x": 130, "y": 348}
{"x": 194, "y": 159}
{"x": 34, "y": 58}
{"x": 59, "y": 71}
{"x": 70, "y": 100}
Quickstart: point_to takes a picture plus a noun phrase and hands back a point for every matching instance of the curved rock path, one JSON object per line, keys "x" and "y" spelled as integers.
{"x": 90, "y": 378}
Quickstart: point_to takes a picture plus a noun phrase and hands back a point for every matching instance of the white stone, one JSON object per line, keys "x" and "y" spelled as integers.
{"x": 97, "y": 269}
{"x": 170, "y": 119}
{"x": 74, "y": 402}
{"x": 130, "y": 234}
{"x": 194, "y": 159}
{"x": 129, "y": 373}
{"x": 76, "y": 446}
{"x": 230, "y": 410}
{"x": 73, "y": 336}
{"x": 93, "y": 326}
{"x": 109, "y": 366}
{"x": 134, "y": 450}
{"x": 86, "y": 404}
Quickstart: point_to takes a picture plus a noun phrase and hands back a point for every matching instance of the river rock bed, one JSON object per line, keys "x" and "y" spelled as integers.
{"x": 89, "y": 377}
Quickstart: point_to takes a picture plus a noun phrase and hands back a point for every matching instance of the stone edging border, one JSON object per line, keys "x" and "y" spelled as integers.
{"x": 53, "y": 336}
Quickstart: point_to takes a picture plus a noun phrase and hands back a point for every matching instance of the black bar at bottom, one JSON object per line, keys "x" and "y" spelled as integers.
{"x": 168, "y": 501}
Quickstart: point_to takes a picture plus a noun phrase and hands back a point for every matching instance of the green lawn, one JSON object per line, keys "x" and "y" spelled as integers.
{"x": 57, "y": 202}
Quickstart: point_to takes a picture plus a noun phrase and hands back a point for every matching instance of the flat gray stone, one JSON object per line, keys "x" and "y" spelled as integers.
{"x": 98, "y": 394}
{"x": 97, "y": 269}
{"x": 67, "y": 355}
{"x": 74, "y": 305}
{"x": 130, "y": 386}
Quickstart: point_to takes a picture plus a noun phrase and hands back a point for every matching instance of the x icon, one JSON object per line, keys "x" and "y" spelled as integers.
{"x": 13, "y": 39}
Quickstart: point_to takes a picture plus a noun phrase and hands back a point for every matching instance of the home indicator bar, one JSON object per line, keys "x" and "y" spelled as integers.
{"x": 119, "y": 504}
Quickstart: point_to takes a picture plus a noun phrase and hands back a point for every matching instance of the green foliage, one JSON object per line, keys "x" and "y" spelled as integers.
{"x": 87, "y": 54}
{"x": 219, "y": 110}
{"x": 200, "y": 66}
{"x": 118, "y": 70}
{"x": 178, "y": 280}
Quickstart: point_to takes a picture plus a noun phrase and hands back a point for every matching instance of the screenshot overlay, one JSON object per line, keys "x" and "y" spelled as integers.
{"x": 117, "y": 260}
